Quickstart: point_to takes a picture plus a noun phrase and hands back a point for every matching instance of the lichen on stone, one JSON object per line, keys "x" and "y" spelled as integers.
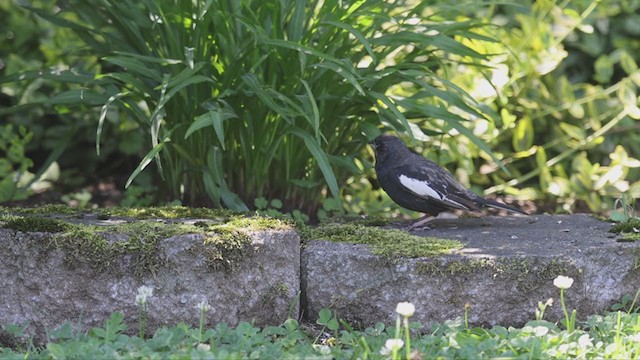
{"x": 526, "y": 273}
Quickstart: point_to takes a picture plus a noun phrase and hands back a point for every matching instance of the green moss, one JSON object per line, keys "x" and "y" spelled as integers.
{"x": 164, "y": 212}
{"x": 629, "y": 226}
{"x": 34, "y": 224}
{"x": 100, "y": 247}
{"x": 172, "y": 212}
{"x": 226, "y": 240}
{"x": 387, "y": 242}
{"x": 257, "y": 223}
{"x": 358, "y": 220}
{"x": 42, "y": 210}
{"x": 225, "y": 247}
{"x": 630, "y": 237}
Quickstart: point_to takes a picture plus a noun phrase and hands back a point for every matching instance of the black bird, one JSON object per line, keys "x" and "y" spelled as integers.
{"x": 418, "y": 184}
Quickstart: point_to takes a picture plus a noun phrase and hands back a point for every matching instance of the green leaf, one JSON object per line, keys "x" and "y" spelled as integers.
{"x": 541, "y": 163}
{"x": 331, "y": 204}
{"x": 394, "y": 110}
{"x": 103, "y": 116}
{"x": 324, "y": 316}
{"x": 146, "y": 161}
{"x": 216, "y": 184}
{"x": 78, "y": 96}
{"x": 151, "y": 59}
{"x": 345, "y": 162}
{"x": 573, "y": 131}
{"x": 321, "y": 158}
{"x": 260, "y": 203}
{"x": 627, "y": 63}
{"x": 133, "y": 66}
{"x": 276, "y": 204}
{"x": 213, "y": 118}
{"x": 358, "y": 35}
{"x": 523, "y": 135}
{"x": 604, "y": 69}
{"x": 628, "y": 97}
{"x": 307, "y": 184}
{"x": 340, "y": 70}
{"x": 314, "y": 117}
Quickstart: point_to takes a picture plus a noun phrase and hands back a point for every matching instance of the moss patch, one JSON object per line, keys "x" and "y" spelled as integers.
{"x": 100, "y": 247}
{"x": 163, "y": 212}
{"x": 42, "y": 210}
{"x": 33, "y": 224}
{"x": 170, "y": 212}
{"x": 629, "y": 229}
{"x": 630, "y": 237}
{"x": 226, "y": 239}
{"x": 225, "y": 247}
{"x": 629, "y": 226}
{"x": 358, "y": 220}
{"x": 387, "y": 242}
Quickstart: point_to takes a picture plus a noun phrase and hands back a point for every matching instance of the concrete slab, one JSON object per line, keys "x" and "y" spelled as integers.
{"x": 506, "y": 266}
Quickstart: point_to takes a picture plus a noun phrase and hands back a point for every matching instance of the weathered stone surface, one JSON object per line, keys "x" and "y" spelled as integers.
{"x": 40, "y": 289}
{"x": 505, "y": 268}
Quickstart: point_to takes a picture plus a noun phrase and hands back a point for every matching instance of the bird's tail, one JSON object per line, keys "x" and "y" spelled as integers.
{"x": 497, "y": 205}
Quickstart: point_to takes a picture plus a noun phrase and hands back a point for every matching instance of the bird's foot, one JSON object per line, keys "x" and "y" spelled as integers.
{"x": 420, "y": 223}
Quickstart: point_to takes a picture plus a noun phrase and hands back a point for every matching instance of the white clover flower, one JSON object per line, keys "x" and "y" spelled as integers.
{"x": 540, "y": 331}
{"x": 203, "y": 305}
{"x": 635, "y": 337}
{"x": 563, "y": 348}
{"x": 323, "y": 349}
{"x": 144, "y": 292}
{"x": 391, "y": 345}
{"x": 584, "y": 341}
{"x": 405, "y": 309}
{"x": 203, "y": 347}
{"x": 549, "y": 302}
{"x": 563, "y": 282}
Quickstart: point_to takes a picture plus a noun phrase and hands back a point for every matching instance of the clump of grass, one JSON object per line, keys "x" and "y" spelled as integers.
{"x": 387, "y": 242}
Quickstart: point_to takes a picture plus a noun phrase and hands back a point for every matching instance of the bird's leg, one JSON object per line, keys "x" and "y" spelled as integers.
{"x": 423, "y": 220}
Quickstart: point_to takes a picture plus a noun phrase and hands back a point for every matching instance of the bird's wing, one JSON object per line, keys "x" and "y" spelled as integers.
{"x": 428, "y": 181}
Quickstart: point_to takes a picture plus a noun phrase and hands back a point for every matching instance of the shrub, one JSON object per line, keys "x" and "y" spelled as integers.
{"x": 241, "y": 100}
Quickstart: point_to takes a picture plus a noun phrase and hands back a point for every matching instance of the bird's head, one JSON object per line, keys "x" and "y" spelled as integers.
{"x": 388, "y": 147}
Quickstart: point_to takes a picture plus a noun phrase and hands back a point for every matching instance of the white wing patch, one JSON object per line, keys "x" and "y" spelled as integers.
{"x": 422, "y": 188}
{"x": 419, "y": 187}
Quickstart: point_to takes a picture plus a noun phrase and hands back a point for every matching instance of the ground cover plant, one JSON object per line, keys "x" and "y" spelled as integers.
{"x": 610, "y": 336}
